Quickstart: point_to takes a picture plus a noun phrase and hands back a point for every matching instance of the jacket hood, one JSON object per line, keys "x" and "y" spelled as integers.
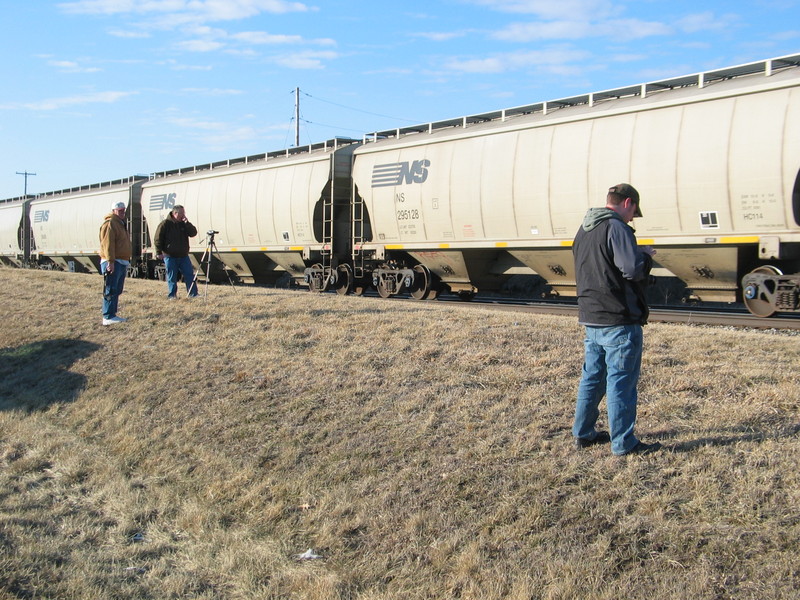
{"x": 595, "y": 216}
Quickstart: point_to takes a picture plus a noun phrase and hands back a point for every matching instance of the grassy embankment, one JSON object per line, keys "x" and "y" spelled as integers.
{"x": 421, "y": 451}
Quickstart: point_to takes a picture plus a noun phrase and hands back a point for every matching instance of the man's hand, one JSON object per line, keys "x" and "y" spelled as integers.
{"x": 110, "y": 266}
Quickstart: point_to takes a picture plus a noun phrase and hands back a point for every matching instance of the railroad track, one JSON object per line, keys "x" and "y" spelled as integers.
{"x": 693, "y": 316}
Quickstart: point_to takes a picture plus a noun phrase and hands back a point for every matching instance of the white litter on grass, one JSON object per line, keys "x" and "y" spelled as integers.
{"x": 136, "y": 570}
{"x": 307, "y": 555}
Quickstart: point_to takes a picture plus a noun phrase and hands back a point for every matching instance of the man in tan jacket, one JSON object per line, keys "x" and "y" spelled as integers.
{"x": 115, "y": 256}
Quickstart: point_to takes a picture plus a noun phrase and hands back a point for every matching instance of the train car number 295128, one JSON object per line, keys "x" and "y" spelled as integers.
{"x": 408, "y": 214}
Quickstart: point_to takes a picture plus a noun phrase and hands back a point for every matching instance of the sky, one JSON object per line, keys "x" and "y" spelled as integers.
{"x": 98, "y": 90}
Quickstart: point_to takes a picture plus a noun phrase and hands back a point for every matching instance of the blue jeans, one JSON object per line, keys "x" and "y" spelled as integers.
{"x": 611, "y": 366}
{"x": 112, "y": 288}
{"x": 184, "y": 267}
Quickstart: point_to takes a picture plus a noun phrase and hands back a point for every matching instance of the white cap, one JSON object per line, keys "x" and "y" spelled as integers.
{"x": 117, "y": 204}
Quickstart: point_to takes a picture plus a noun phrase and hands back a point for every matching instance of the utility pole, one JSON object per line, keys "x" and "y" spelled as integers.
{"x": 296, "y": 117}
{"x": 26, "y": 180}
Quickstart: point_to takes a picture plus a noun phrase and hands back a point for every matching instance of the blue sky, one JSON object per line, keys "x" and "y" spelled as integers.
{"x": 96, "y": 90}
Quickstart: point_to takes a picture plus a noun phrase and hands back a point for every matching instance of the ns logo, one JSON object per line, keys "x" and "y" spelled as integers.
{"x": 392, "y": 174}
{"x": 162, "y": 201}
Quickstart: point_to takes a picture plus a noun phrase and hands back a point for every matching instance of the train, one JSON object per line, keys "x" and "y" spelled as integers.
{"x": 464, "y": 205}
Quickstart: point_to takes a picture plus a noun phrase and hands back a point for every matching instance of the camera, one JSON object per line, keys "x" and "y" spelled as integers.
{"x": 211, "y": 232}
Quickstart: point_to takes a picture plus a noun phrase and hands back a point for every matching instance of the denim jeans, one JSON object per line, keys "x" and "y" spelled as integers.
{"x": 184, "y": 267}
{"x": 112, "y": 288}
{"x": 611, "y": 366}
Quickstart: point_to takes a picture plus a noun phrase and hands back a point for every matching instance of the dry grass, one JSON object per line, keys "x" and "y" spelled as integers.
{"x": 422, "y": 452}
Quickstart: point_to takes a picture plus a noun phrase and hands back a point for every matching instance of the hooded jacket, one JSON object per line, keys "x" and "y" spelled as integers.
{"x": 114, "y": 241}
{"x": 172, "y": 237}
{"x": 610, "y": 271}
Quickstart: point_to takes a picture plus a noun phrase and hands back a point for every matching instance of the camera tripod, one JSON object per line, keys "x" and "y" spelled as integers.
{"x": 208, "y": 254}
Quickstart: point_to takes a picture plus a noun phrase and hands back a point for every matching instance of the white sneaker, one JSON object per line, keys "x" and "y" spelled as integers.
{"x": 114, "y": 320}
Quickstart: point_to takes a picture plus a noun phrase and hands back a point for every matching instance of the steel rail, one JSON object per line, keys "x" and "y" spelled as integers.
{"x": 691, "y": 316}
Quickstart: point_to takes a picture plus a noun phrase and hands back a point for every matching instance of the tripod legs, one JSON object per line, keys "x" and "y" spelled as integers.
{"x": 208, "y": 255}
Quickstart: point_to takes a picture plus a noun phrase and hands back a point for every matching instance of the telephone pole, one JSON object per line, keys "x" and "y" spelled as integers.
{"x": 26, "y": 180}
{"x": 296, "y": 117}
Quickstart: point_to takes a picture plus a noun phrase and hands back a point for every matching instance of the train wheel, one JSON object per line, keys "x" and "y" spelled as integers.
{"x": 422, "y": 283}
{"x": 345, "y": 280}
{"x": 466, "y": 296}
{"x": 314, "y": 284}
{"x": 760, "y": 299}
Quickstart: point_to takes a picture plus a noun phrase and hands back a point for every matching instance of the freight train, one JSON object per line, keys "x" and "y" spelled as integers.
{"x": 462, "y": 205}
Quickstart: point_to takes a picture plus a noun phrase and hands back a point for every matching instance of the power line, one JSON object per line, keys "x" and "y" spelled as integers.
{"x": 297, "y": 118}
{"x": 330, "y": 126}
{"x": 366, "y": 112}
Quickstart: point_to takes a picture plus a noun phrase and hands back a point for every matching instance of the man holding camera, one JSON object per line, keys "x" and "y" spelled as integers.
{"x": 172, "y": 244}
{"x": 611, "y": 271}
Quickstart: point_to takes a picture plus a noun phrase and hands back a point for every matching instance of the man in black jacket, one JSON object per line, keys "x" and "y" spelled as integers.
{"x": 172, "y": 244}
{"x": 611, "y": 272}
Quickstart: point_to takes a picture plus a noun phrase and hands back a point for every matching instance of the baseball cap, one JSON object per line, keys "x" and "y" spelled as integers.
{"x": 626, "y": 190}
{"x": 117, "y": 204}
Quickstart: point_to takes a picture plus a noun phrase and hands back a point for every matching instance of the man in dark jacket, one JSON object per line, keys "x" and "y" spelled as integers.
{"x": 611, "y": 272}
{"x": 172, "y": 244}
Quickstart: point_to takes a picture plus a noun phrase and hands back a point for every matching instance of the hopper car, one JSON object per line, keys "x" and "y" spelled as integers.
{"x": 463, "y": 205}
{"x": 59, "y": 229}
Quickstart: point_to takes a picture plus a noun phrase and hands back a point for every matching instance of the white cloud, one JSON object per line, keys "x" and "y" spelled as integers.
{"x": 199, "y": 45}
{"x": 551, "y": 30}
{"x": 175, "y": 66}
{"x": 707, "y": 21}
{"x": 215, "y": 39}
{"x": 549, "y": 9}
{"x": 68, "y": 66}
{"x": 189, "y": 123}
{"x": 573, "y": 30}
{"x": 56, "y": 103}
{"x": 211, "y": 92}
{"x": 556, "y": 60}
{"x": 786, "y": 35}
{"x": 264, "y": 38}
{"x": 191, "y": 19}
{"x": 216, "y": 135}
{"x": 440, "y": 36}
{"x": 195, "y": 10}
{"x": 304, "y": 60}
{"x": 121, "y": 33}
{"x": 239, "y": 9}
{"x": 478, "y": 65}
{"x": 625, "y": 58}
{"x": 390, "y": 71}
{"x": 232, "y": 137}
{"x": 634, "y": 29}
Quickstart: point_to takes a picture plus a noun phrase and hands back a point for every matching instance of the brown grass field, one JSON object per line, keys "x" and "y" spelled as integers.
{"x": 421, "y": 452}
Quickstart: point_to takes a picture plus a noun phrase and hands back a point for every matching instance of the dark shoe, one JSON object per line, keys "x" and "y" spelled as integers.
{"x": 602, "y": 437}
{"x": 642, "y": 448}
